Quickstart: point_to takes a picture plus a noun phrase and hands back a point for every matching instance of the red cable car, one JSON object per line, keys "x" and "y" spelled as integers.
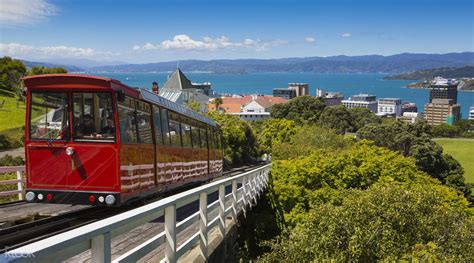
{"x": 94, "y": 140}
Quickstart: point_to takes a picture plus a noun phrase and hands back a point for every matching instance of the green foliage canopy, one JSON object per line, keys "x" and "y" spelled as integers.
{"x": 240, "y": 143}
{"x": 11, "y": 72}
{"x": 337, "y": 118}
{"x": 275, "y": 131}
{"x": 300, "y": 109}
{"x": 390, "y": 221}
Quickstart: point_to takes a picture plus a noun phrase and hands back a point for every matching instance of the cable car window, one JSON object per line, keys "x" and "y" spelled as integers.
{"x": 93, "y": 117}
{"x": 144, "y": 123}
{"x": 195, "y": 135}
{"x": 210, "y": 137}
{"x": 165, "y": 126}
{"x": 202, "y": 134}
{"x": 157, "y": 123}
{"x": 127, "y": 121}
{"x": 186, "y": 132}
{"x": 49, "y": 116}
{"x": 174, "y": 129}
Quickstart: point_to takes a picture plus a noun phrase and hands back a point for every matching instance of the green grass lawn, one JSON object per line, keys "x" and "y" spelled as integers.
{"x": 463, "y": 151}
{"x": 12, "y": 117}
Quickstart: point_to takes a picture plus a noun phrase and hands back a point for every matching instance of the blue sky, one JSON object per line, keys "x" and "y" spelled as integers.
{"x": 153, "y": 31}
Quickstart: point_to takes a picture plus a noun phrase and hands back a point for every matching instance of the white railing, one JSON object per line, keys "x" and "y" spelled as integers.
{"x": 18, "y": 181}
{"x": 97, "y": 236}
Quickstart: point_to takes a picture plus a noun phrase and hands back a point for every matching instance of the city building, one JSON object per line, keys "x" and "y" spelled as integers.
{"x": 262, "y": 104}
{"x": 204, "y": 87}
{"x": 471, "y": 118}
{"x": 330, "y": 98}
{"x": 411, "y": 117}
{"x": 250, "y": 108}
{"x": 301, "y": 89}
{"x": 361, "y": 100}
{"x": 442, "y": 111}
{"x": 390, "y": 106}
{"x": 441, "y": 88}
{"x": 284, "y": 93}
{"x": 178, "y": 88}
{"x": 232, "y": 104}
{"x": 409, "y": 107}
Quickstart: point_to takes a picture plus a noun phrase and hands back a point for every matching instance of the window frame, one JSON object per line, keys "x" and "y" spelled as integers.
{"x": 123, "y": 105}
{"x": 114, "y": 115}
{"x": 68, "y": 117}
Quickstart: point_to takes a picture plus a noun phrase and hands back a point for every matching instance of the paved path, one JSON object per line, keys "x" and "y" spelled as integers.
{"x": 16, "y": 152}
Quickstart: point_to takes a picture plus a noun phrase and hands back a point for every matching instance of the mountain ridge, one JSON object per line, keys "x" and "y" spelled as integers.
{"x": 398, "y": 63}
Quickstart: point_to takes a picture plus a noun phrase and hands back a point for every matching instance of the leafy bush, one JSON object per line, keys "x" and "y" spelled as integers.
{"x": 389, "y": 221}
{"x": 4, "y": 142}
{"x": 416, "y": 141}
{"x": 302, "y": 182}
{"x": 275, "y": 131}
{"x": 9, "y": 160}
{"x": 308, "y": 139}
{"x": 304, "y": 109}
{"x": 240, "y": 143}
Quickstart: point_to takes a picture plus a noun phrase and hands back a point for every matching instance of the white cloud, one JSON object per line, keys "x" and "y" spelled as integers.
{"x": 31, "y": 52}
{"x": 25, "y": 12}
{"x": 185, "y": 42}
{"x": 346, "y": 34}
{"x": 310, "y": 40}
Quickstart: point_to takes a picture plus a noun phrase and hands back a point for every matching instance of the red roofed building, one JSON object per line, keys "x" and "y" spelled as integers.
{"x": 250, "y": 108}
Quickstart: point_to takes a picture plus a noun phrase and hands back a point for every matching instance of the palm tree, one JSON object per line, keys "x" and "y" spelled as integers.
{"x": 217, "y": 102}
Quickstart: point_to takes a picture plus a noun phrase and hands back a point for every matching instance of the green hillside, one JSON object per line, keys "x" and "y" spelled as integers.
{"x": 12, "y": 116}
{"x": 463, "y": 151}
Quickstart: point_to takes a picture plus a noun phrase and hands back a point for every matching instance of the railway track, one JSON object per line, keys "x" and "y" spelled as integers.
{"x": 26, "y": 233}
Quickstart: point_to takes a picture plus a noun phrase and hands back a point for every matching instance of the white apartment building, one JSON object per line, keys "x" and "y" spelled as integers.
{"x": 390, "y": 106}
{"x": 361, "y": 101}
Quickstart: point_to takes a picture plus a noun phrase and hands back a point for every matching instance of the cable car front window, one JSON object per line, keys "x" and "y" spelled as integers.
{"x": 49, "y": 116}
{"x": 93, "y": 117}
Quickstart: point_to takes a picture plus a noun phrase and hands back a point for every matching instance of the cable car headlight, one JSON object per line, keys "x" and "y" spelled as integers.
{"x": 110, "y": 199}
{"x": 40, "y": 196}
{"x": 30, "y": 196}
{"x": 69, "y": 151}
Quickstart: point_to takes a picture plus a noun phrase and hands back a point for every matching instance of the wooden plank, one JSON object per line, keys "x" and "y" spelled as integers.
{"x": 8, "y": 193}
{"x": 12, "y": 181}
{"x": 11, "y": 169}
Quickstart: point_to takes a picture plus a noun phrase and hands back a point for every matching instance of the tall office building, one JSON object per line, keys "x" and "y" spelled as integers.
{"x": 441, "y": 111}
{"x": 442, "y": 88}
{"x": 301, "y": 89}
{"x": 284, "y": 93}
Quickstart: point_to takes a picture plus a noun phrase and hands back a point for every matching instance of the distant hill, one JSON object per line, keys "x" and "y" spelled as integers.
{"x": 428, "y": 74}
{"x": 70, "y": 68}
{"x": 399, "y": 63}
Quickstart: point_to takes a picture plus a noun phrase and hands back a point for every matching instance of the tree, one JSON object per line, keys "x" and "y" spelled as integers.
{"x": 389, "y": 221}
{"x": 275, "y": 131}
{"x": 41, "y": 70}
{"x": 414, "y": 140}
{"x": 300, "y": 109}
{"x": 11, "y": 72}
{"x": 445, "y": 130}
{"x": 240, "y": 143}
{"x": 217, "y": 102}
{"x": 194, "y": 105}
{"x": 309, "y": 139}
{"x": 464, "y": 125}
{"x": 337, "y": 118}
{"x": 360, "y": 117}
